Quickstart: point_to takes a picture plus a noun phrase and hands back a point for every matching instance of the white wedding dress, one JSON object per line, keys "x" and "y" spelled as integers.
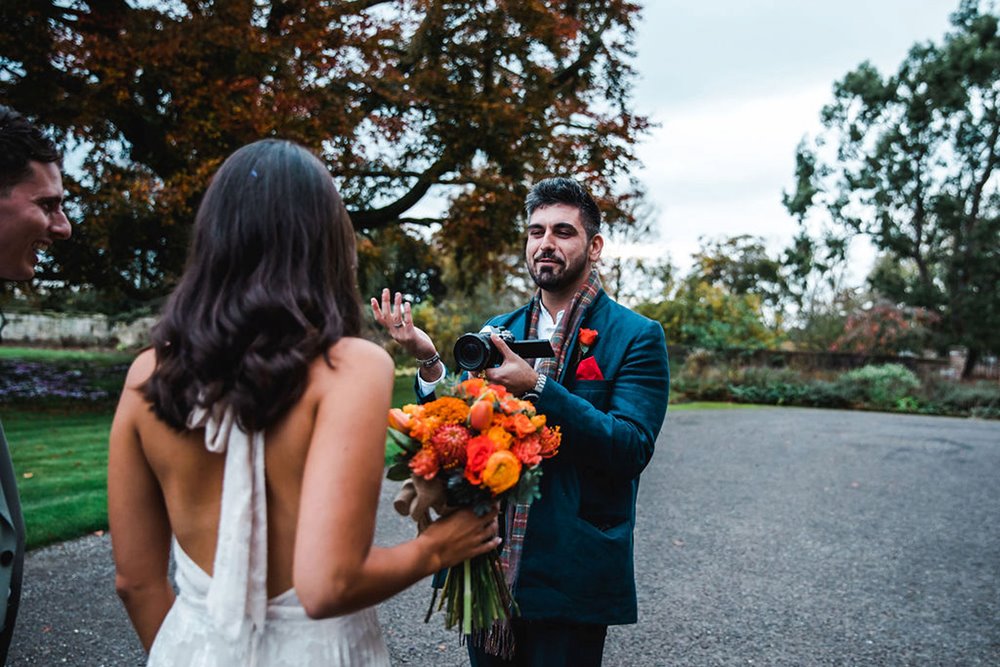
{"x": 226, "y": 620}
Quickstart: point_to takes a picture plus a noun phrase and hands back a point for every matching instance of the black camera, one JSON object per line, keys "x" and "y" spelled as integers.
{"x": 475, "y": 351}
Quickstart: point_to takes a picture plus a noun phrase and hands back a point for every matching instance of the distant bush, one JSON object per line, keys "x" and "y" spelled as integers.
{"x": 706, "y": 377}
{"x": 881, "y": 387}
{"x": 981, "y": 399}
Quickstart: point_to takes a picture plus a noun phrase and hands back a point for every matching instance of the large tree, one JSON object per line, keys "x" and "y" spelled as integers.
{"x": 462, "y": 102}
{"x": 910, "y": 161}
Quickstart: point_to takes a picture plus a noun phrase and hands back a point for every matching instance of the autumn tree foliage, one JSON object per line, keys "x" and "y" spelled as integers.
{"x": 885, "y": 328}
{"x": 465, "y": 103}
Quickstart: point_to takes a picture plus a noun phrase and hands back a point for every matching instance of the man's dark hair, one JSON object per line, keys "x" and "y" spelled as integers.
{"x": 565, "y": 191}
{"x": 20, "y": 144}
{"x": 270, "y": 284}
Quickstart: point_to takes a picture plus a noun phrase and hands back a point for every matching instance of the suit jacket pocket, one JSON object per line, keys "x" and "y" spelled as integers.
{"x": 595, "y": 392}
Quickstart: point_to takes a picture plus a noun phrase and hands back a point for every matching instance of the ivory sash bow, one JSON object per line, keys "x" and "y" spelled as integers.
{"x": 238, "y": 591}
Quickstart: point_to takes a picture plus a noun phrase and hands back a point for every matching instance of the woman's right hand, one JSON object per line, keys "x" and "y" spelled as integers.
{"x": 460, "y": 536}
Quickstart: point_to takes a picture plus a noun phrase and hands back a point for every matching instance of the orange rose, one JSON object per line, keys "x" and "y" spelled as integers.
{"x": 538, "y": 421}
{"x": 520, "y": 425}
{"x": 424, "y": 464}
{"x": 478, "y": 452}
{"x": 473, "y": 386}
{"x": 481, "y": 415}
{"x": 503, "y": 469}
{"x": 588, "y": 336}
{"x": 528, "y": 450}
{"x": 499, "y": 391}
{"x": 510, "y": 405}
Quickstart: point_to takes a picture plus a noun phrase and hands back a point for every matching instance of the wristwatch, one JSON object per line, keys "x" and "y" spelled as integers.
{"x": 535, "y": 392}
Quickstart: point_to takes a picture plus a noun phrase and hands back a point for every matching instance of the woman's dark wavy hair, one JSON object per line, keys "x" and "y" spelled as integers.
{"x": 270, "y": 284}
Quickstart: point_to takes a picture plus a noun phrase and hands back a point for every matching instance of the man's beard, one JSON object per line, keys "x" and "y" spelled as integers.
{"x": 552, "y": 280}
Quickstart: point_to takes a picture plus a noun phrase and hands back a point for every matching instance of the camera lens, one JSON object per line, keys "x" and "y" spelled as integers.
{"x": 472, "y": 353}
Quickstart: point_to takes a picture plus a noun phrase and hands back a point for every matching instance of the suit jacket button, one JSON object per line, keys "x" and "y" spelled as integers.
{"x": 6, "y": 558}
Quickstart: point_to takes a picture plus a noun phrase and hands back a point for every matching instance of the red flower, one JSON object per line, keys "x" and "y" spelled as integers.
{"x": 478, "y": 452}
{"x": 587, "y": 337}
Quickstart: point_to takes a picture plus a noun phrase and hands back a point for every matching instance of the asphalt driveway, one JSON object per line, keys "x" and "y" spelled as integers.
{"x": 766, "y": 537}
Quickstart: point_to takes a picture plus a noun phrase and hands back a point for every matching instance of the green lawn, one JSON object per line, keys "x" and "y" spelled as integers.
{"x": 61, "y": 355}
{"x": 60, "y": 459}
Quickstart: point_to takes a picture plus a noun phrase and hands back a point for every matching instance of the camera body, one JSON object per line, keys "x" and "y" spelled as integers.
{"x": 475, "y": 351}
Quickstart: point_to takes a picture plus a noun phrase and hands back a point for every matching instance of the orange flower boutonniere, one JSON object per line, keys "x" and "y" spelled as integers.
{"x": 587, "y": 338}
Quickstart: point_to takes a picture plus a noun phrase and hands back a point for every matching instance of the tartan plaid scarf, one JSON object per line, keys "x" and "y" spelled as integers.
{"x": 517, "y": 517}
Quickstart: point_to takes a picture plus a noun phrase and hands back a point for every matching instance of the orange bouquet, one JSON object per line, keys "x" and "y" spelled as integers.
{"x": 470, "y": 448}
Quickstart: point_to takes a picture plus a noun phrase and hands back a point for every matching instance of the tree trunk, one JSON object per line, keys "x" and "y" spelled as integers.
{"x": 971, "y": 359}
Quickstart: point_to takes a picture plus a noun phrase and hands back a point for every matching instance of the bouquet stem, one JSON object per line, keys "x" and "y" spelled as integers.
{"x": 477, "y": 600}
{"x": 467, "y": 598}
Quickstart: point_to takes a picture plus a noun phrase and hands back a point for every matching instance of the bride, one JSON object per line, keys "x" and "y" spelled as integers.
{"x": 249, "y": 439}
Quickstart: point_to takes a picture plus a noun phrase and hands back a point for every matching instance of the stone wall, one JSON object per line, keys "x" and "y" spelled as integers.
{"x": 55, "y": 329}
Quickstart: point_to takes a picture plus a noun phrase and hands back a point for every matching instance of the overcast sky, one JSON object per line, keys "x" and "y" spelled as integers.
{"x": 734, "y": 86}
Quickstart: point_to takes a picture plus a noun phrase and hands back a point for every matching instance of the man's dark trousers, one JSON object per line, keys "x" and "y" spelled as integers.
{"x": 549, "y": 644}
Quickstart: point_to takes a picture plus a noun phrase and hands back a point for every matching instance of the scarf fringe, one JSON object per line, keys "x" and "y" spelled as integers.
{"x": 498, "y": 641}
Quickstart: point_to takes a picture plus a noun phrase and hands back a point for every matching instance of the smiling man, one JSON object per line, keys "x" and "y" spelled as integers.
{"x": 31, "y": 194}
{"x": 569, "y": 555}
{"x": 31, "y": 219}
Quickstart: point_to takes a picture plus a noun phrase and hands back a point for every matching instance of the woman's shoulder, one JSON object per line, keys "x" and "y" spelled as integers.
{"x": 352, "y": 357}
{"x": 141, "y": 369}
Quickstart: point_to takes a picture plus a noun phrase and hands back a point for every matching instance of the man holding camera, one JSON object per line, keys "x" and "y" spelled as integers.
{"x": 570, "y": 554}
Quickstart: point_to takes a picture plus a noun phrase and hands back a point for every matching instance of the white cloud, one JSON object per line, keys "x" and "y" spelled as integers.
{"x": 735, "y": 86}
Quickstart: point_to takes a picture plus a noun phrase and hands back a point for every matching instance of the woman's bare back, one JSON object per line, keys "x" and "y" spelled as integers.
{"x": 190, "y": 476}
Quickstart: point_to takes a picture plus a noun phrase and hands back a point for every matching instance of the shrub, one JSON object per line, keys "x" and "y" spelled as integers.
{"x": 981, "y": 399}
{"x": 879, "y": 386}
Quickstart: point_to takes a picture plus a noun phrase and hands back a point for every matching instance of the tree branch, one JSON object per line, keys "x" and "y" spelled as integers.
{"x": 389, "y": 215}
{"x": 594, "y": 43}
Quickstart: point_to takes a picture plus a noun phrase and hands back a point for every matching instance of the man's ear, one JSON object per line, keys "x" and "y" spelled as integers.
{"x": 596, "y": 246}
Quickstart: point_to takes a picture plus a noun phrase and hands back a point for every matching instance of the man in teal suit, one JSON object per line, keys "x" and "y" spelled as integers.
{"x": 570, "y": 554}
{"x": 31, "y": 219}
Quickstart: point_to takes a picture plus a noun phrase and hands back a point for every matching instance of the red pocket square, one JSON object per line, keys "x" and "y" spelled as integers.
{"x": 589, "y": 370}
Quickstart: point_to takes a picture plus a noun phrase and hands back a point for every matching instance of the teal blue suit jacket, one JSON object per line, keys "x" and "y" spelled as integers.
{"x": 577, "y": 563}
